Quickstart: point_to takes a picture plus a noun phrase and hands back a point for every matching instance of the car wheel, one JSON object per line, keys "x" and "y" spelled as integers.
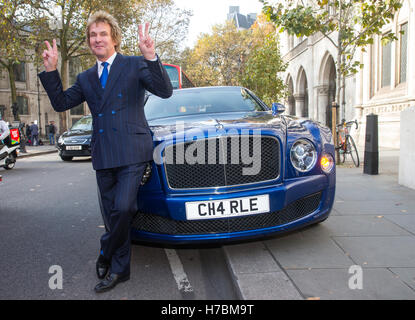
{"x": 64, "y": 158}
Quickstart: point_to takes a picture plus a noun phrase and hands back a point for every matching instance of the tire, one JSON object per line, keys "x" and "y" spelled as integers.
{"x": 352, "y": 150}
{"x": 342, "y": 155}
{"x": 66, "y": 158}
{"x": 9, "y": 166}
{"x": 10, "y": 161}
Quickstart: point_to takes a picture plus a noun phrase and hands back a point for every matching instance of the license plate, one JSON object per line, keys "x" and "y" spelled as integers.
{"x": 73, "y": 147}
{"x": 227, "y": 208}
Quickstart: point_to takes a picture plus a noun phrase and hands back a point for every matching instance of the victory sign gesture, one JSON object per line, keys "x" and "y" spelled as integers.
{"x": 146, "y": 44}
{"x": 50, "y": 56}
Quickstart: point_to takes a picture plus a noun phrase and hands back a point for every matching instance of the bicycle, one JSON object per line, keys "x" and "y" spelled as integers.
{"x": 346, "y": 143}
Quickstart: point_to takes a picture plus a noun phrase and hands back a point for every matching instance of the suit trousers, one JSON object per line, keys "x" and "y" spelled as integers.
{"x": 118, "y": 192}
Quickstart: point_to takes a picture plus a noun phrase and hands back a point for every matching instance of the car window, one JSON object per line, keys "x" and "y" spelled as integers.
{"x": 173, "y": 75}
{"x": 188, "y": 102}
{"x": 84, "y": 124}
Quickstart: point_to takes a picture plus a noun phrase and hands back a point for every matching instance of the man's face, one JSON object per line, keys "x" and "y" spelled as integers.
{"x": 100, "y": 40}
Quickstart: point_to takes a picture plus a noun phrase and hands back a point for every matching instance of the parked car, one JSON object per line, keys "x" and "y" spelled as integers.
{"x": 76, "y": 142}
{"x": 228, "y": 167}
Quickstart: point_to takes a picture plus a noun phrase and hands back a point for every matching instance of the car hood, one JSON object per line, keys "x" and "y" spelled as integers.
{"x": 214, "y": 121}
{"x": 77, "y": 134}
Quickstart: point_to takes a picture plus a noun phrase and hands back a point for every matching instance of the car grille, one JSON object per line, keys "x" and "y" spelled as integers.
{"x": 227, "y": 161}
{"x": 294, "y": 211}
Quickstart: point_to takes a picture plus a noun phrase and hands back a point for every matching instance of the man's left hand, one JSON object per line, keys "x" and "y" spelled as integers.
{"x": 146, "y": 43}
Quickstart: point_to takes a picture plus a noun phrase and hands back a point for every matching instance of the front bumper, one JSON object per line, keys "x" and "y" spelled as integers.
{"x": 293, "y": 204}
{"x": 84, "y": 152}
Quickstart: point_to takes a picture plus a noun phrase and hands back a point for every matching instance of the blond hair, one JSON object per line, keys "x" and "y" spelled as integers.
{"x": 103, "y": 16}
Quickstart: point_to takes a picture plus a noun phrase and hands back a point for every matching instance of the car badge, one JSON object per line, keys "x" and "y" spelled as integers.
{"x": 219, "y": 126}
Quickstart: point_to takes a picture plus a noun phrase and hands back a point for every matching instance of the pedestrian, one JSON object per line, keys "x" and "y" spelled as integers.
{"x": 29, "y": 135}
{"x": 23, "y": 138}
{"x": 52, "y": 132}
{"x": 34, "y": 131}
{"x": 121, "y": 143}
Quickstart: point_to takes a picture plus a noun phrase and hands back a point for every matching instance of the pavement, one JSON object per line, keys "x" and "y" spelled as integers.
{"x": 37, "y": 150}
{"x": 364, "y": 250}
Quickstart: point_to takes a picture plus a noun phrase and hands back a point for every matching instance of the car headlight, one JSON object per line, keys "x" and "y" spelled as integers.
{"x": 303, "y": 155}
{"x": 60, "y": 140}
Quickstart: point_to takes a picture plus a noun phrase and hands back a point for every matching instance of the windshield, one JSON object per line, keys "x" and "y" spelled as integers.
{"x": 201, "y": 101}
{"x": 84, "y": 124}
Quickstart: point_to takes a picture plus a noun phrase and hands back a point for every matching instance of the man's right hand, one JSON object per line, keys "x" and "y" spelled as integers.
{"x": 50, "y": 56}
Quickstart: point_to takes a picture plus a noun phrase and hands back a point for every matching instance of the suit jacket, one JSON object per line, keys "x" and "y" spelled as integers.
{"x": 120, "y": 130}
{"x": 34, "y": 129}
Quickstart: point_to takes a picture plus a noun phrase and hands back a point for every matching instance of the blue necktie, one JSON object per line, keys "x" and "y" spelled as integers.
{"x": 104, "y": 75}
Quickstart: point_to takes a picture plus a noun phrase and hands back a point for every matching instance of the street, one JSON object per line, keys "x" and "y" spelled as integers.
{"x": 50, "y": 225}
{"x": 49, "y": 216}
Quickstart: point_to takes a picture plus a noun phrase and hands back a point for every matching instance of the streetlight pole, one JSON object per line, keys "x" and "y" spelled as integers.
{"x": 334, "y": 107}
{"x": 38, "y": 91}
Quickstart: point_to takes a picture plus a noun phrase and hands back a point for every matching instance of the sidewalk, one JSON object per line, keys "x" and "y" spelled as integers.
{"x": 37, "y": 150}
{"x": 364, "y": 250}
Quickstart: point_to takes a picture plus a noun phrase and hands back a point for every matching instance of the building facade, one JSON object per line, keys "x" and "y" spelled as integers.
{"x": 242, "y": 22}
{"x": 32, "y": 101}
{"x": 384, "y": 86}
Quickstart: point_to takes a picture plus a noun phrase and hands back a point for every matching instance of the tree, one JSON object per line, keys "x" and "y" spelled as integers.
{"x": 250, "y": 58}
{"x": 67, "y": 23}
{"x": 354, "y": 21}
{"x": 217, "y": 58}
{"x": 13, "y": 40}
{"x": 264, "y": 63}
{"x": 68, "y": 20}
{"x": 168, "y": 28}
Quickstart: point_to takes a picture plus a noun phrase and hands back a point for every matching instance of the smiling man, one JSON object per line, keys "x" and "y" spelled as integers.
{"x": 121, "y": 141}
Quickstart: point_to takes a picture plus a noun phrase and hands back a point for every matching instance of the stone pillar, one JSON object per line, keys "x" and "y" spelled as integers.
{"x": 323, "y": 102}
{"x": 290, "y": 105}
{"x": 299, "y": 104}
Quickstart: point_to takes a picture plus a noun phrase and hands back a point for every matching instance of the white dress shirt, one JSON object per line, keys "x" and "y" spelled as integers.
{"x": 110, "y": 62}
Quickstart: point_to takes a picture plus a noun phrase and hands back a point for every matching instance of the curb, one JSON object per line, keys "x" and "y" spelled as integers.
{"x": 27, "y": 155}
{"x": 256, "y": 275}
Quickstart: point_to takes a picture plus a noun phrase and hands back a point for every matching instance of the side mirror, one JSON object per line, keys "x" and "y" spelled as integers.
{"x": 277, "y": 108}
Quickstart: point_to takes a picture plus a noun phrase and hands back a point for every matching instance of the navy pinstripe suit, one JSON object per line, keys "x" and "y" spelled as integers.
{"x": 121, "y": 140}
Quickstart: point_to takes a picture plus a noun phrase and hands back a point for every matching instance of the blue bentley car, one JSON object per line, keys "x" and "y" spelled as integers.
{"x": 228, "y": 167}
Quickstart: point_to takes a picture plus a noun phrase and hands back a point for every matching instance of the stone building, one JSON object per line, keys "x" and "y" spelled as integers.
{"x": 242, "y": 22}
{"x": 385, "y": 86}
{"x": 32, "y": 100}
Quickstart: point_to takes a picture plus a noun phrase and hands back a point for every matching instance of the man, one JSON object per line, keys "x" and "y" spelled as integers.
{"x": 29, "y": 135}
{"x": 23, "y": 138}
{"x": 34, "y": 131}
{"x": 51, "y": 133}
{"x": 121, "y": 141}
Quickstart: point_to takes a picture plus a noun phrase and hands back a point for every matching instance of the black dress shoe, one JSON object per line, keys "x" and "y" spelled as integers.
{"x": 102, "y": 267}
{"x": 110, "y": 282}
